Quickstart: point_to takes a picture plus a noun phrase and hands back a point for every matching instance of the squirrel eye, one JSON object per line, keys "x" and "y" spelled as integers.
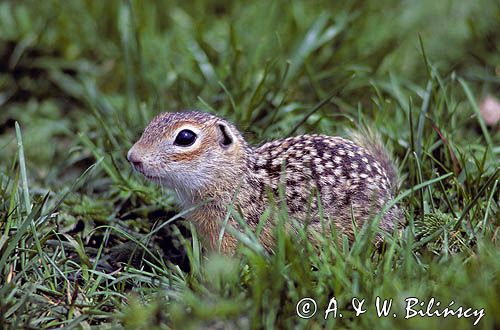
{"x": 185, "y": 138}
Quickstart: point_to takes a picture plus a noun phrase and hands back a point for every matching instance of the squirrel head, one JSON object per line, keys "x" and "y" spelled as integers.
{"x": 190, "y": 152}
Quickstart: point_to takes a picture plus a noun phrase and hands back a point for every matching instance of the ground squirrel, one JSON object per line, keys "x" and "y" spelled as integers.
{"x": 207, "y": 162}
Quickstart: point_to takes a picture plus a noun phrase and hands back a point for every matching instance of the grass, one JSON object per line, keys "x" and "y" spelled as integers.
{"x": 86, "y": 242}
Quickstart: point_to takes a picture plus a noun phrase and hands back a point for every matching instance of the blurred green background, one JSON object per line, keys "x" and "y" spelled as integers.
{"x": 130, "y": 59}
{"x": 84, "y": 77}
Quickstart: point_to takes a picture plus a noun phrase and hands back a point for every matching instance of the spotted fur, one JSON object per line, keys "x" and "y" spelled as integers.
{"x": 353, "y": 182}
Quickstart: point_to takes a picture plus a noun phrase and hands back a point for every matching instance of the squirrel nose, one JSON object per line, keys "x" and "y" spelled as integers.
{"x": 133, "y": 158}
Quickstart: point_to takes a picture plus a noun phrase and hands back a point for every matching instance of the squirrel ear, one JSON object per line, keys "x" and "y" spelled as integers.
{"x": 225, "y": 137}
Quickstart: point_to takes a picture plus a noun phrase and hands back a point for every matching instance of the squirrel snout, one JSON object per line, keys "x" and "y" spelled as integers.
{"x": 134, "y": 159}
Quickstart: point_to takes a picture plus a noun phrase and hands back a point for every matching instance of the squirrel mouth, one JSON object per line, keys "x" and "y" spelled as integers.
{"x": 144, "y": 172}
{"x": 148, "y": 176}
{"x": 151, "y": 177}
